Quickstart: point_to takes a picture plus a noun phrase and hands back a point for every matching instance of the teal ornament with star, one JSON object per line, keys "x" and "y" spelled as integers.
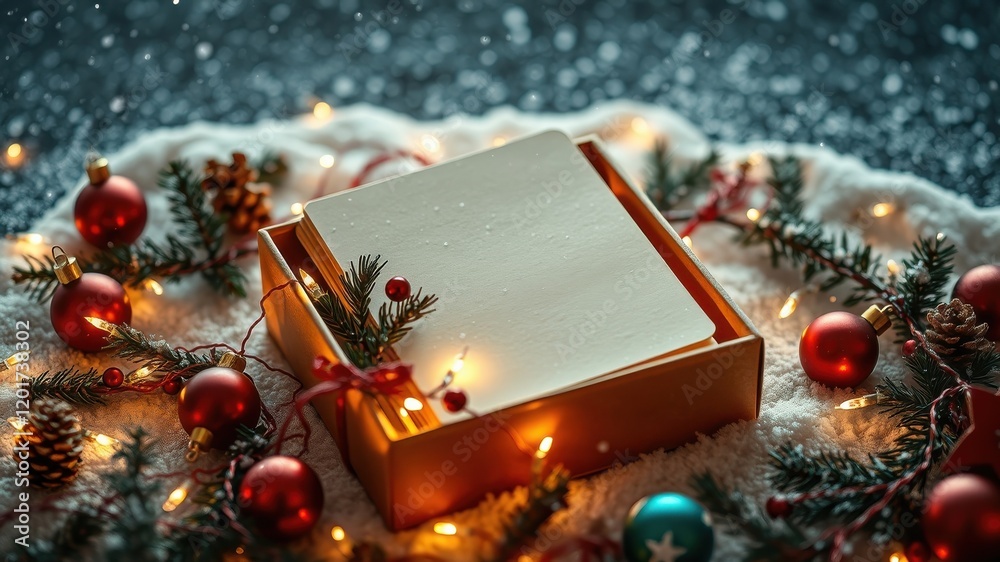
{"x": 668, "y": 527}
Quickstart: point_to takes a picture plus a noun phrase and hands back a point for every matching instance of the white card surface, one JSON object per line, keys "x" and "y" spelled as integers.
{"x": 539, "y": 269}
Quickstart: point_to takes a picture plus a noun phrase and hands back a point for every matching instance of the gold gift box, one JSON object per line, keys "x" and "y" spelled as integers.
{"x": 417, "y": 471}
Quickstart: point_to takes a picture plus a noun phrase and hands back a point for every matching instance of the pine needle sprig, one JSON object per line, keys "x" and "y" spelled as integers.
{"x": 927, "y": 272}
{"x": 366, "y": 338}
{"x": 70, "y": 384}
{"x": 157, "y": 356}
{"x": 38, "y": 274}
{"x": 768, "y": 540}
{"x": 546, "y": 496}
{"x": 665, "y": 186}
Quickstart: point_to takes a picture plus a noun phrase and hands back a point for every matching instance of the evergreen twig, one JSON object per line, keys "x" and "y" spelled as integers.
{"x": 666, "y": 187}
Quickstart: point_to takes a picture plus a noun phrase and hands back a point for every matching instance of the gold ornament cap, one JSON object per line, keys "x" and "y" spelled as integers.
{"x": 98, "y": 169}
{"x": 878, "y": 318}
{"x": 66, "y": 268}
{"x": 201, "y": 440}
{"x": 232, "y": 361}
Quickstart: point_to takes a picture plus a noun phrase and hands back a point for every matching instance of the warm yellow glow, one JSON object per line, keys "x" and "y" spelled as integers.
{"x": 100, "y": 323}
{"x": 892, "y": 267}
{"x": 430, "y": 143}
{"x": 499, "y": 141}
{"x": 544, "y": 447}
{"x": 458, "y": 364}
{"x": 8, "y": 363}
{"x": 897, "y": 557}
{"x": 791, "y": 303}
{"x": 27, "y": 237}
{"x": 445, "y": 528}
{"x": 640, "y": 126}
{"x": 753, "y": 214}
{"x": 239, "y": 549}
{"x": 412, "y": 404}
{"x": 327, "y": 160}
{"x": 940, "y": 237}
{"x": 860, "y": 402}
{"x": 688, "y": 242}
{"x": 176, "y": 498}
{"x": 338, "y": 533}
{"x": 880, "y": 210}
{"x": 17, "y": 423}
{"x": 312, "y": 287}
{"x": 101, "y": 439}
{"x": 14, "y": 154}
{"x": 322, "y": 110}
{"x": 153, "y": 286}
{"x": 755, "y": 158}
{"x": 140, "y": 373}
{"x": 297, "y": 209}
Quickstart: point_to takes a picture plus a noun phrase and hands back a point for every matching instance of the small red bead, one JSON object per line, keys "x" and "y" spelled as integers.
{"x": 917, "y": 552}
{"x": 909, "y": 348}
{"x": 172, "y": 386}
{"x": 454, "y": 400}
{"x": 113, "y": 377}
{"x": 397, "y": 289}
{"x": 778, "y": 508}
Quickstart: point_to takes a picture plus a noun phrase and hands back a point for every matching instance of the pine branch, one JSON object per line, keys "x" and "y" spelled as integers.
{"x": 157, "y": 356}
{"x": 546, "y": 496}
{"x": 664, "y": 186}
{"x": 271, "y": 168}
{"x": 927, "y": 272}
{"x": 769, "y": 540}
{"x": 365, "y": 339}
{"x": 71, "y": 384}
{"x": 39, "y": 275}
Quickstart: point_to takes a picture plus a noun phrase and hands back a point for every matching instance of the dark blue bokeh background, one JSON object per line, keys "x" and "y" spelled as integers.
{"x": 909, "y": 85}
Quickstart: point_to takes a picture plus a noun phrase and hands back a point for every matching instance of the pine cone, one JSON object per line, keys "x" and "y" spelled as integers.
{"x": 52, "y": 443}
{"x": 954, "y": 334}
{"x": 246, "y": 203}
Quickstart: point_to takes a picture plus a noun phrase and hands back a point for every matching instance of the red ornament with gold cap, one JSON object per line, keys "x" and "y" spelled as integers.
{"x": 214, "y": 404}
{"x": 840, "y": 349}
{"x": 81, "y": 295}
{"x": 283, "y": 496}
{"x": 110, "y": 210}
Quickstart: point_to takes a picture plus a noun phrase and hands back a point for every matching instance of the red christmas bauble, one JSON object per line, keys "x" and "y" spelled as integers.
{"x": 839, "y": 349}
{"x": 113, "y": 377}
{"x": 454, "y": 400}
{"x": 980, "y": 288}
{"x": 778, "y": 508}
{"x": 283, "y": 496}
{"x": 961, "y": 519}
{"x": 909, "y": 347}
{"x": 111, "y": 211}
{"x": 171, "y": 387}
{"x": 397, "y": 289}
{"x": 91, "y": 294}
{"x": 220, "y": 400}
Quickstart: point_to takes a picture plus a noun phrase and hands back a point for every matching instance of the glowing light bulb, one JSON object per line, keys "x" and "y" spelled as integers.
{"x": 297, "y": 209}
{"x": 860, "y": 402}
{"x": 753, "y": 214}
{"x": 791, "y": 303}
{"x": 28, "y": 238}
{"x": 412, "y": 404}
{"x": 177, "y": 497}
{"x": 880, "y": 210}
{"x": 327, "y": 160}
{"x": 17, "y": 423}
{"x": 940, "y": 236}
{"x": 544, "y": 447}
{"x": 322, "y": 111}
{"x": 8, "y": 363}
{"x": 312, "y": 287}
{"x": 101, "y": 439}
{"x": 430, "y": 143}
{"x": 892, "y": 267}
{"x": 499, "y": 141}
{"x": 100, "y": 324}
{"x": 639, "y": 126}
{"x": 688, "y": 242}
{"x": 14, "y": 154}
{"x": 755, "y": 158}
{"x": 897, "y": 557}
{"x": 153, "y": 286}
{"x": 141, "y": 373}
{"x": 445, "y": 528}
{"x": 338, "y": 533}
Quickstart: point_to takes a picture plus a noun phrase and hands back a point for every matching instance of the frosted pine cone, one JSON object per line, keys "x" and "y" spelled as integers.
{"x": 953, "y": 333}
